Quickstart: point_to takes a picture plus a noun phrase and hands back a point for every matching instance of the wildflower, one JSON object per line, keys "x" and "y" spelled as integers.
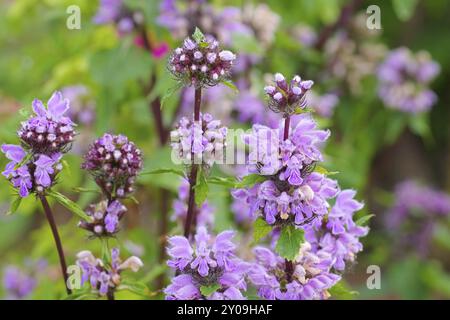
{"x": 309, "y": 280}
{"x": 324, "y": 104}
{"x": 339, "y": 236}
{"x": 286, "y": 97}
{"x": 205, "y": 140}
{"x": 105, "y": 218}
{"x": 115, "y": 11}
{"x": 45, "y": 137}
{"x": 114, "y": 162}
{"x": 210, "y": 262}
{"x": 49, "y": 131}
{"x": 404, "y": 79}
{"x": 201, "y": 62}
{"x": 17, "y": 283}
{"x": 105, "y": 277}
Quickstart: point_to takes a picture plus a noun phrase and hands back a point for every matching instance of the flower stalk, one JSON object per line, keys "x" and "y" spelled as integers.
{"x": 56, "y": 237}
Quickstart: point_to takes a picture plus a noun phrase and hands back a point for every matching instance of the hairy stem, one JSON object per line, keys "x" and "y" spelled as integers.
{"x": 287, "y": 122}
{"x": 191, "y": 213}
{"x": 51, "y": 222}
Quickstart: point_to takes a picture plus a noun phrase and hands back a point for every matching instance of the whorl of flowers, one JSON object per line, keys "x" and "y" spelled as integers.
{"x": 204, "y": 213}
{"x": 210, "y": 262}
{"x": 204, "y": 139}
{"x": 339, "y": 235}
{"x": 114, "y": 162}
{"x": 104, "y": 218}
{"x": 286, "y": 97}
{"x": 415, "y": 212}
{"x": 200, "y": 62}
{"x": 102, "y": 276}
{"x": 310, "y": 278}
{"x": 44, "y": 137}
{"x": 404, "y": 79}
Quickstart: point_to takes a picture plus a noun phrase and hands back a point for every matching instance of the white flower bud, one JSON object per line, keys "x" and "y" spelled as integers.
{"x": 278, "y": 96}
{"x": 226, "y": 55}
{"x": 133, "y": 263}
{"x": 279, "y": 77}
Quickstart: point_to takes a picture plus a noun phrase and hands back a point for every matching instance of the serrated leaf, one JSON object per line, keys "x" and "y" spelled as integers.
{"x": 364, "y": 220}
{"x": 260, "y": 229}
{"x": 289, "y": 242}
{"x": 198, "y": 35}
{"x": 230, "y": 85}
{"x": 201, "y": 189}
{"x": 69, "y": 204}
{"x": 209, "y": 290}
{"x": 250, "y": 180}
{"x": 167, "y": 170}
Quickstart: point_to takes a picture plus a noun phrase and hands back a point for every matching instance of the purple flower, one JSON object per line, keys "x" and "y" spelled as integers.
{"x": 340, "y": 236}
{"x": 204, "y": 214}
{"x": 82, "y": 108}
{"x": 44, "y": 170}
{"x": 114, "y": 162}
{"x": 286, "y": 97}
{"x": 104, "y": 218}
{"x": 310, "y": 278}
{"x": 201, "y": 63}
{"x": 105, "y": 278}
{"x": 404, "y": 79}
{"x": 209, "y": 262}
{"x": 49, "y": 131}
{"x": 205, "y": 140}
{"x": 14, "y": 153}
{"x": 324, "y": 104}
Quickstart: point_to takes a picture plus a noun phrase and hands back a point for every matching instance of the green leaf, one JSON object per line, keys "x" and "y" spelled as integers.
{"x": 404, "y": 9}
{"x": 15, "y": 204}
{"x": 201, "y": 189}
{"x": 260, "y": 229}
{"x": 364, "y": 220}
{"x": 250, "y": 180}
{"x": 341, "y": 291}
{"x": 85, "y": 190}
{"x": 230, "y": 85}
{"x": 209, "y": 290}
{"x": 198, "y": 36}
{"x": 165, "y": 170}
{"x": 69, "y": 204}
{"x": 135, "y": 287}
{"x": 227, "y": 182}
{"x": 288, "y": 245}
{"x": 105, "y": 250}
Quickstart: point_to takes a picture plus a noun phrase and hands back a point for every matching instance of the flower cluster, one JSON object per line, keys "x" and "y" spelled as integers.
{"x": 200, "y": 62}
{"x": 404, "y": 80}
{"x": 204, "y": 214}
{"x": 105, "y": 218}
{"x": 45, "y": 136}
{"x": 286, "y": 97}
{"x": 114, "y": 162}
{"x": 415, "y": 212}
{"x": 199, "y": 142}
{"x": 271, "y": 154}
{"x": 82, "y": 108}
{"x": 310, "y": 277}
{"x": 291, "y": 193}
{"x": 105, "y": 277}
{"x": 114, "y": 11}
{"x": 211, "y": 262}
{"x": 339, "y": 235}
